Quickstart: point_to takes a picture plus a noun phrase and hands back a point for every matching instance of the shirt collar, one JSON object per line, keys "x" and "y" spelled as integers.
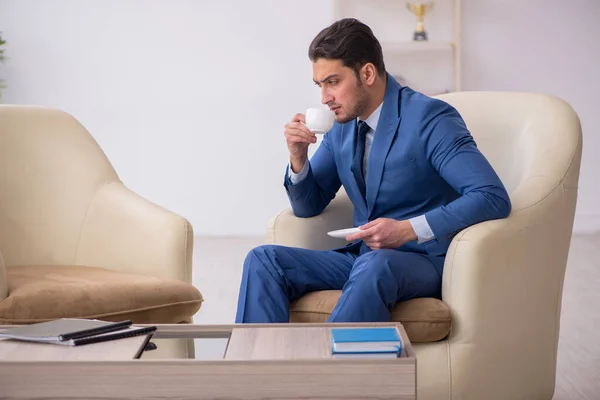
{"x": 373, "y": 119}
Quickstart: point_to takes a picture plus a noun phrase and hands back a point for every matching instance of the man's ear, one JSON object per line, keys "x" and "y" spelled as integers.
{"x": 368, "y": 73}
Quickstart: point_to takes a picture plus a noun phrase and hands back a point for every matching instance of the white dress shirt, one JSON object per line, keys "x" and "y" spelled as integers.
{"x": 419, "y": 223}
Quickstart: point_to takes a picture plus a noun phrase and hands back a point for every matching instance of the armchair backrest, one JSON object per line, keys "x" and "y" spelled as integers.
{"x": 533, "y": 141}
{"x": 51, "y": 170}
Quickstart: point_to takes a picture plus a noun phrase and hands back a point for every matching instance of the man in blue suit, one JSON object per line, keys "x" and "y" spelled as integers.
{"x": 410, "y": 167}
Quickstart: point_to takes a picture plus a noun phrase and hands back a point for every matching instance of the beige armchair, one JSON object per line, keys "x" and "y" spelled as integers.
{"x": 76, "y": 242}
{"x": 503, "y": 279}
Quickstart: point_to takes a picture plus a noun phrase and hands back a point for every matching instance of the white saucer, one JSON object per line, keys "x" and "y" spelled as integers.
{"x": 342, "y": 233}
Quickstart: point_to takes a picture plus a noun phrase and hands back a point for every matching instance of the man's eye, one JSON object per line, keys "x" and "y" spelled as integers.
{"x": 333, "y": 82}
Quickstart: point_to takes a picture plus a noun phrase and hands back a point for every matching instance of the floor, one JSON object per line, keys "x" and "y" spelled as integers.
{"x": 217, "y": 269}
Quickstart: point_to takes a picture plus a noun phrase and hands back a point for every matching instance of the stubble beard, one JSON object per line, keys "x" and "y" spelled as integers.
{"x": 358, "y": 107}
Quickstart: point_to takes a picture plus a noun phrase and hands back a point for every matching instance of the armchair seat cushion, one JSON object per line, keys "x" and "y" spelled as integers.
{"x": 424, "y": 319}
{"x": 42, "y": 293}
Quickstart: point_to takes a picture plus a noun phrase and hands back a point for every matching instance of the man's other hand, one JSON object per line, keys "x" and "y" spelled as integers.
{"x": 384, "y": 233}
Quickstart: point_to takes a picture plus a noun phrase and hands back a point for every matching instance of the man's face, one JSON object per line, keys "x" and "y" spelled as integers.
{"x": 341, "y": 90}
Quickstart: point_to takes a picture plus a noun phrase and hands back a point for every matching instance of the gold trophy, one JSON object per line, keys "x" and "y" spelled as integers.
{"x": 420, "y": 9}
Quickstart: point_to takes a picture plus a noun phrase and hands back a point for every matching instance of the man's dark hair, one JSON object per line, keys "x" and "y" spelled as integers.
{"x": 350, "y": 41}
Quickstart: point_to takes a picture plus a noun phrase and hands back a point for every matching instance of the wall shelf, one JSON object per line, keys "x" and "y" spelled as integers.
{"x": 411, "y": 47}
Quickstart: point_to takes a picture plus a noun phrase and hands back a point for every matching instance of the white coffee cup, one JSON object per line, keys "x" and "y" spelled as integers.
{"x": 319, "y": 120}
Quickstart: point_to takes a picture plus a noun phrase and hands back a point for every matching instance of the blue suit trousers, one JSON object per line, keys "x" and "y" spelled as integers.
{"x": 371, "y": 282}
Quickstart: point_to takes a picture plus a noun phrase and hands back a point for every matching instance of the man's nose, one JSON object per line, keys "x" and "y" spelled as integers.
{"x": 326, "y": 97}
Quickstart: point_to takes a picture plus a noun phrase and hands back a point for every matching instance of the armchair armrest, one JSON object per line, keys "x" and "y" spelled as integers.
{"x": 125, "y": 232}
{"x": 503, "y": 281}
{"x": 311, "y": 233}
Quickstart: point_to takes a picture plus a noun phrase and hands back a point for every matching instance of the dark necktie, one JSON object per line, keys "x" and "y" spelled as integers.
{"x": 359, "y": 153}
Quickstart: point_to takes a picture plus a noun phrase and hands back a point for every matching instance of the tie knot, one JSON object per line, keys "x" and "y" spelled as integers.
{"x": 363, "y": 128}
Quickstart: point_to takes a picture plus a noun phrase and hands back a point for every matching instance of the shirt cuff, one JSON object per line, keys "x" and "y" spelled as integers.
{"x": 299, "y": 177}
{"x": 422, "y": 229}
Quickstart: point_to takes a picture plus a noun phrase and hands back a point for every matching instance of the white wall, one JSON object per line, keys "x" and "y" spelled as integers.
{"x": 189, "y": 98}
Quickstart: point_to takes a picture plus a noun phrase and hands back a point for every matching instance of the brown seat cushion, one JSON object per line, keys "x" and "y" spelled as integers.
{"x": 424, "y": 319}
{"x": 42, "y": 293}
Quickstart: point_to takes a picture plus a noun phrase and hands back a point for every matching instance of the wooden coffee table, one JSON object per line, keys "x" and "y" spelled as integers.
{"x": 259, "y": 361}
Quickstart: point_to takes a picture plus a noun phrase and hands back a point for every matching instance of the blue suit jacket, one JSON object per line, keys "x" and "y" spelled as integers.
{"x": 423, "y": 160}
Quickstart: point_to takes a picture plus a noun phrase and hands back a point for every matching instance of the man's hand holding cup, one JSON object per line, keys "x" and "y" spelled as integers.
{"x": 300, "y": 133}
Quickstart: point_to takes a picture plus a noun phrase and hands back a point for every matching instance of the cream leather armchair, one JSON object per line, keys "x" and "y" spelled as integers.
{"x": 76, "y": 242}
{"x": 502, "y": 279}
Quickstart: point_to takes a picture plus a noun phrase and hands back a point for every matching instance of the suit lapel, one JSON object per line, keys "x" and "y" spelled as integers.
{"x": 387, "y": 127}
{"x": 349, "y": 134}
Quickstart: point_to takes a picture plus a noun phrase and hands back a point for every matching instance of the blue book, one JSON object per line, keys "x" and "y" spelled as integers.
{"x": 365, "y": 340}
{"x": 370, "y": 354}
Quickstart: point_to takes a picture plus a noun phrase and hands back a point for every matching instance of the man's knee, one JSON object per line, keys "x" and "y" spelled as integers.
{"x": 261, "y": 261}
{"x": 260, "y": 253}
